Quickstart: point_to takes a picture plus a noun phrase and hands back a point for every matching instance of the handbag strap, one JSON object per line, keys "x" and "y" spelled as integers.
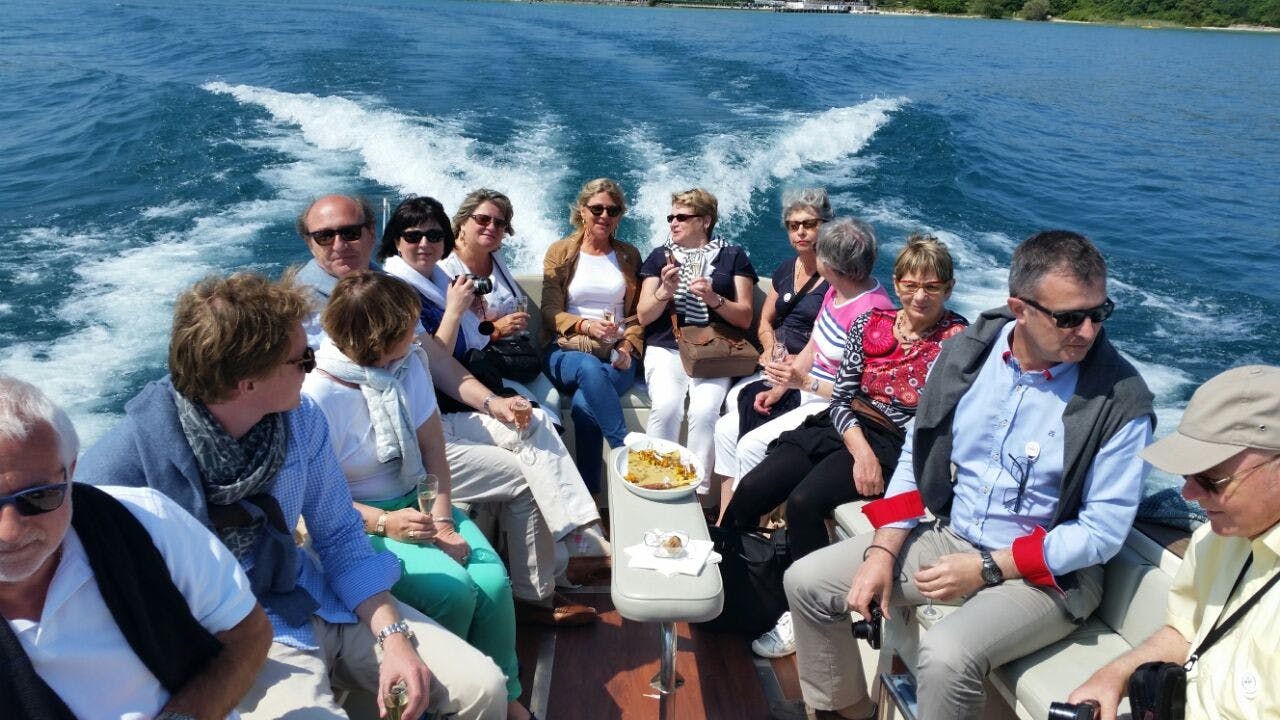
{"x": 675, "y": 324}
{"x": 790, "y": 305}
{"x": 1219, "y": 630}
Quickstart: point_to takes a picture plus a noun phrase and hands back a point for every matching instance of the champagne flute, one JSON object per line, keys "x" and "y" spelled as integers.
{"x": 929, "y": 559}
{"x": 522, "y": 306}
{"x": 610, "y": 317}
{"x": 428, "y": 487}
{"x": 396, "y": 699}
{"x": 523, "y": 410}
{"x": 777, "y": 354}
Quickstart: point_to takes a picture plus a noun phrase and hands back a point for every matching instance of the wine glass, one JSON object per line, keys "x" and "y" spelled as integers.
{"x": 522, "y": 306}
{"x": 428, "y": 486}
{"x": 523, "y": 410}
{"x": 697, "y": 263}
{"x": 928, "y": 559}
{"x": 610, "y": 317}
{"x": 777, "y": 354}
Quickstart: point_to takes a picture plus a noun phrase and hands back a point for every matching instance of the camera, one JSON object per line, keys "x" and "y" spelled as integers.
{"x": 1067, "y": 711}
{"x": 479, "y": 285}
{"x": 869, "y": 630}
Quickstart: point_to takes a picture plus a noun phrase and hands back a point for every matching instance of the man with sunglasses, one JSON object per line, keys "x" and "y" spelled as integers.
{"x": 1025, "y": 450}
{"x": 1227, "y": 448}
{"x": 113, "y": 604}
{"x": 338, "y": 230}
{"x": 229, "y": 437}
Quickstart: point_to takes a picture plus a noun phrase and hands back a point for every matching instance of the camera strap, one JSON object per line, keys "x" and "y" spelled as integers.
{"x": 1219, "y": 630}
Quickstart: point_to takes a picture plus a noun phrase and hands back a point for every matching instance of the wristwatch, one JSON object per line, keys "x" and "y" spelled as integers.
{"x": 399, "y": 626}
{"x": 381, "y": 527}
{"x": 813, "y": 386}
{"x": 991, "y": 573}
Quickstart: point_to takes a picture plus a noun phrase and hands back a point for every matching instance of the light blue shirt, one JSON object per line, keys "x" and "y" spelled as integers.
{"x": 1008, "y": 426}
{"x": 311, "y": 485}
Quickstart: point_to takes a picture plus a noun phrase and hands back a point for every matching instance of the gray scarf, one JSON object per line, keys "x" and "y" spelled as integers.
{"x": 690, "y": 306}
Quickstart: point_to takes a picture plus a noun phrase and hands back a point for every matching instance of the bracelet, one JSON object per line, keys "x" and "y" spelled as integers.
{"x": 443, "y": 520}
{"x": 722, "y": 302}
{"x": 879, "y": 547}
{"x": 486, "y": 402}
{"x": 381, "y": 527}
{"x": 655, "y": 296}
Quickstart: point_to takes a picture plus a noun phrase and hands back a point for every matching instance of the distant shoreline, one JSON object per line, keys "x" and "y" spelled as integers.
{"x": 1138, "y": 23}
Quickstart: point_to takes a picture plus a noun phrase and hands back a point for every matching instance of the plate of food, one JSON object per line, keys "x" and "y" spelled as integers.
{"x": 658, "y": 469}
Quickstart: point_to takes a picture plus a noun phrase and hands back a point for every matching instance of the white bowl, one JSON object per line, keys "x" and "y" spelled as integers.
{"x": 637, "y": 441}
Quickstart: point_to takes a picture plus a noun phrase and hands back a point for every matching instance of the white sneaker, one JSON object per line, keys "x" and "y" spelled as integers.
{"x": 778, "y": 642}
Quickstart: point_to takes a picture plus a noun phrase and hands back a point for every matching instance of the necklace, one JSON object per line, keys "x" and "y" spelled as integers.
{"x": 904, "y": 336}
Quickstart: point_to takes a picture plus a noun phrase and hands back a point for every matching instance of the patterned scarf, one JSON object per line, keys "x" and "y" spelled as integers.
{"x": 383, "y": 390}
{"x": 231, "y": 469}
{"x": 694, "y": 263}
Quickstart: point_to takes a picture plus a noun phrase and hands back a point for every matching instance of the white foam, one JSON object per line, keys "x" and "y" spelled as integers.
{"x": 735, "y": 167}
{"x": 6, "y": 308}
{"x": 425, "y": 155}
{"x": 175, "y": 209}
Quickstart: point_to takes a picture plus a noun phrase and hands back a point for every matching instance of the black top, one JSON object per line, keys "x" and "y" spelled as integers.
{"x": 730, "y": 262}
{"x": 795, "y": 326}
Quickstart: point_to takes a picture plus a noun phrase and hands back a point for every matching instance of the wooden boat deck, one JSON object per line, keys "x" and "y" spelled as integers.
{"x": 602, "y": 671}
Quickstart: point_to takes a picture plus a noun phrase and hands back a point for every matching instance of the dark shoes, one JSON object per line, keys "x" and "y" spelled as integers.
{"x": 562, "y": 612}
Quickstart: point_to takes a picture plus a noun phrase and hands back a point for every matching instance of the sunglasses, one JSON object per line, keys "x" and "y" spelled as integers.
{"x": 680, "y": 218}
{"x": 38, "y": 500}
{"x": 1213, "y": 486}
{"x": 1075, "y": 318}
{"x": 907, "y": 287}
{"x": 613, "y": 210}
{"x": 307, "y": 362}
{"x": 413, "y": 237}
{"x": 324, "y": 238}
{"x": 794, "y": 225}
{"x": 483, "y": 220}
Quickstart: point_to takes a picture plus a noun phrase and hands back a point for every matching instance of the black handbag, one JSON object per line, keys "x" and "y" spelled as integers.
{"x": 514, "y": 358}
{"x": 751, "y": 567}
{"x": 1158, "y": 690}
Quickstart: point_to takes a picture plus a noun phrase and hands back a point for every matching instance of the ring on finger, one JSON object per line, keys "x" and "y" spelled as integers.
{"x": 413, "y": 533}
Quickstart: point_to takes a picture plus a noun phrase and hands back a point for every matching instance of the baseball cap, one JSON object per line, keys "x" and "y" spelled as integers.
{"x": 1232, "y": 412}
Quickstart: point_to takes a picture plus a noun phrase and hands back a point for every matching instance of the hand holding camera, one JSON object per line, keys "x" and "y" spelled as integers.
{"x": 870, "y": 629}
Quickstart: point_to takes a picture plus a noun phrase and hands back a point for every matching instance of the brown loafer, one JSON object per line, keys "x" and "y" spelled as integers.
{"x": 561, "y": 613}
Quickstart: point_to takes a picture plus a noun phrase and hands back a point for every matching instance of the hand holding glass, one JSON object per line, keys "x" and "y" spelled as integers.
{"x": 522, "y": 306}
{"x": 523, "y": 411}
{"x": 428, "y": 487}
{"x": 777, "y": 354}
{"x": 929, "y": 560}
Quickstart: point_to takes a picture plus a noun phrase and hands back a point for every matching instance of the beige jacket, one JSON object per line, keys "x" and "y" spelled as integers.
{"x": 558, "y": 267}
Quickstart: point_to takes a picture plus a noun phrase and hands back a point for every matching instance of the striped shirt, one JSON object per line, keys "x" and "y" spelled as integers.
{"x": 832, "y": 328}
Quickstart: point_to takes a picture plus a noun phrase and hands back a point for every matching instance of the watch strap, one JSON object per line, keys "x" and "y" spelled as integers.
{"x": 380, "y": 528}
{"x": 991, "y": 572}
{"x": 398, "y": 627}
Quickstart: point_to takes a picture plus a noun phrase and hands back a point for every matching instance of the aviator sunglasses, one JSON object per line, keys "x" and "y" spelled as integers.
{"x": 324, "y": 238}
{"x": 680, "y": 218}
{"x": 612, "y": 210}
{"x": 1075, "y": 318}
{"x": 1214, "y": 485}
{"x": 38, "y": 500}
{"x": 483, "y": 220}
{"x": 413, "y": 237}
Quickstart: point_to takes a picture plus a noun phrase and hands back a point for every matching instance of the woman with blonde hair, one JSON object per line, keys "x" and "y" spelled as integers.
{"x": 696, "y": 277}
{"x": 589, "y": 287}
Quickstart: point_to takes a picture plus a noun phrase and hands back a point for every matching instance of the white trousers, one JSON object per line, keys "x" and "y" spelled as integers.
{"x": 668, "y": 387}
{"x": 737, "y": 456}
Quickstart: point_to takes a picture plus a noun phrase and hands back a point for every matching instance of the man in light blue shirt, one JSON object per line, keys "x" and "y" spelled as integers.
{"x": 1025, "y": 450}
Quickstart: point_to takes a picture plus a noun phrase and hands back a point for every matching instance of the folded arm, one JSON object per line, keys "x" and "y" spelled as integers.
{"x": 217, "y": 689}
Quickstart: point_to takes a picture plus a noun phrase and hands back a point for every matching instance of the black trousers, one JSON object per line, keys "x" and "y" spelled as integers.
{"x": 810, "y": 470}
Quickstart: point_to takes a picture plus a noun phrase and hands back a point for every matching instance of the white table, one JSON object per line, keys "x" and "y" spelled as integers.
{"x": 647, "y": 595}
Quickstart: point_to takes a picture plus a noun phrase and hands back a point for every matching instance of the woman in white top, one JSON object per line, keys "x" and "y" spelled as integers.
{"x": 479, "y": 226}
{"x": 374, "y": 388}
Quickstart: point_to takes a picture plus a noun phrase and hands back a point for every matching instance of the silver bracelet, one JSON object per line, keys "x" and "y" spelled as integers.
{"x": 486, "y": 403}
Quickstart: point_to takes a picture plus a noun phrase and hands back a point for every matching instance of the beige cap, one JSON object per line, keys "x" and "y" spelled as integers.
{"x": 1232, "y": 412}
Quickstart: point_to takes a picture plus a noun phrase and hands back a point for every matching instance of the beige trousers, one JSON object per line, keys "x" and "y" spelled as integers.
{"x": 991, "y": 627}
{"x": 297, "y": 683}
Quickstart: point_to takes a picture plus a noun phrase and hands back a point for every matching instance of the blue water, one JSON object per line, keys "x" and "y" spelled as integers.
{"x": 143, "y": 145}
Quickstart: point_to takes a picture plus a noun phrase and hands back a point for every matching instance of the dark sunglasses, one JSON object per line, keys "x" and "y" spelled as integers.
{"x": 38, "y": 500}
{"x": 307, "y": 362}
{"x": 1075, "y": 318}
{"x": 483, "y": 220}
{"x": 794, "y": 225}
{"x": 680, "y": 217}
{"x": 413, "y": 237}
{"x": 324, "y": 238}
{"x": 597, "y": 210}
{"x": 1213, "y": 486}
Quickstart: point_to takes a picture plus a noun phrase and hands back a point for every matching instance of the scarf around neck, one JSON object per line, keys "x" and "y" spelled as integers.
{"x": 434, "y": 289}
{"x": 690, "y": 306}
{"x": 384, "y": 395}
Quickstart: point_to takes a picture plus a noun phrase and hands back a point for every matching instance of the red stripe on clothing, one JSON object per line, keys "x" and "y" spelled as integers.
{"x": 1028, "y": 556}
{"x": 905, "y": 506}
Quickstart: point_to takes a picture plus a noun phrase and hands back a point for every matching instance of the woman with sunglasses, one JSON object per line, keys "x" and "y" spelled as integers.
{"x": 589, "y": 287}
{"x": 848, "y": 451}
{"x": 697, "y": 277}
{"x": 786, "y": 322}
{"x": 479, "y": 225}
{"x": 377, "y": 396}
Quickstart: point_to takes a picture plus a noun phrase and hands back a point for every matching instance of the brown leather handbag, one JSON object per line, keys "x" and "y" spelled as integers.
{"x": 718, "y": 350}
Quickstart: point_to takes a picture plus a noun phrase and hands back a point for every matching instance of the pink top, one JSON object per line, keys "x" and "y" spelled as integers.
{"x": 832, "y": 327}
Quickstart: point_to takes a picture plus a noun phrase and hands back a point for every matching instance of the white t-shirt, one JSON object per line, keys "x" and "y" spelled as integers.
{"x": 78, "y": 649}
{"x": 351, "y": 429}
{"x": 597, "y": 284}
{"x": 502, "y": 301}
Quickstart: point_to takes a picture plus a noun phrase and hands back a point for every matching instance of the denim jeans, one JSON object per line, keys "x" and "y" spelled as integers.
{"x": 596, "y": 410}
